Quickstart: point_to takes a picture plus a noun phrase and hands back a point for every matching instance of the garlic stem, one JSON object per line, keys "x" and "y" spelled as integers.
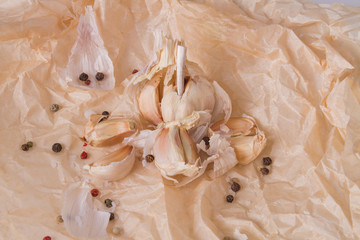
{"x": 180, "y": 65}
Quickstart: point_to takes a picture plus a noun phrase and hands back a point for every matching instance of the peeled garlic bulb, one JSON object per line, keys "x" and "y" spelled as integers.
{"x": 246, "y": 139}
{"x": 108, "y": 132}
{"x": 149, "y": 100}
{"x": 115, "y": 165}
{"x": 175, "y": 152}
{"x": 198, "y": 96}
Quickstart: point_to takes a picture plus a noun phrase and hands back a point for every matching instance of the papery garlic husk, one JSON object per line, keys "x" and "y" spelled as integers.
{"x": 175, "y": 152}
{"x": 115, "y": 165}
{"x": 81, "y": 218}
{"x": 149, "y": 100}
{"x": 245, "y": 137}
{"x": 100, "y": 132}
{"x": 198, "y": 96}
{"x": 89, "y": 56}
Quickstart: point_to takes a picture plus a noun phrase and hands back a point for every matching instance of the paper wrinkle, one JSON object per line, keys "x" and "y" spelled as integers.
{"x": 292, "y": 65}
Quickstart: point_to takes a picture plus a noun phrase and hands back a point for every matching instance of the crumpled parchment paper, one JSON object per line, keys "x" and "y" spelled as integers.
{"x": 292, "y": 65}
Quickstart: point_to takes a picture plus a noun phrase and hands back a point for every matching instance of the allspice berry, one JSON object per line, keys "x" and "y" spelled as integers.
{"x": 56, "y": 147}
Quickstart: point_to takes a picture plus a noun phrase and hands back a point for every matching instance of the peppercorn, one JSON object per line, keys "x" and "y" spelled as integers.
{"x": 83, "y": 155}
{"x": 235, "y": 186}
{"x": 135, "y": 71}
{"x": 112, "y": 216}
{"x": 99, "y": 76}
{"x": 267, "y": 161}
{"x": 264, "y": 171}
{"x": 56, "y": 147}
{"x": 149, "y": 158}
{"x": 94, "y": 192}
{"x": 108, "y": 203}
{"x": 105, "y": 113}
{"x": 85, "y": 144}
{"x": 229, "y": 198}
{"x": 47, "y": 238}
{"x": 54, "y": 107}
{"x": 30, "y": 144}
{"x": 87, "y": 82}
{"x": 116, "y": 230}
{"x": 83, "y": 77}
{"x": 206, "y": 140}
{"x": 24, "y": 147}
{"x": 59, "y": 219}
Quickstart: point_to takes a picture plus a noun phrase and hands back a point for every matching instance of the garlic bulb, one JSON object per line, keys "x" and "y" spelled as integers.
{"x": 81, "y": 218}
{"x": 115, "y": 165}
{"x": 245, "y": 137}
{"x": 101, "y": 132}
{"x": 89, "y": 56}
{"x": 175, "y": 152}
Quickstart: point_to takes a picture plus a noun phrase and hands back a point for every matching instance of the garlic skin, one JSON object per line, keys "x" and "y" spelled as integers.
{"x": 109, "y": 131}
{"x": 175, "y": 152}
{"x": 198, "y": 96}
{"x": 245, "y": 137}
{"x": 115, "y": 165}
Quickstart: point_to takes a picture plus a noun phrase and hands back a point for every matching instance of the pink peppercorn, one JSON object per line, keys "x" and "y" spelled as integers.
{"x": 83, "y": 155}
{"x": 94, "y": 192}
{"x": 135, "y": 71}
{"x": 85, "y": 144}
{"x": 47, "y": 238}
{"x": 87, "y": 82}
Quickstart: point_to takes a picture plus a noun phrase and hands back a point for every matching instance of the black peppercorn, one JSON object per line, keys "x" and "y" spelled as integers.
{"x": 24, "y": 147}
{"x": 235, "y": 186}
{"x": 112, "y": 216}
{"x": 30, "y": 144}
{"x": 267, "y": 161}
{"x": 83, "y": 77}
{"x": 264, "y": 171}
{"x": 54, "y": 107}
{"x": 149, "y": 158}
{"x": 206, "y": 140}
{"x": 99, "y": 76}
{"x": 56, "y": 147}
{"x": 105, "y": 113}
{"x": 229, "y": 198}
{"x": 108, "y": 203}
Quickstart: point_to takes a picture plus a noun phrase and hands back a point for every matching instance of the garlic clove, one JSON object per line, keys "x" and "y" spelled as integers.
{"x": 190, "y": 150}
{"x": 108, "y": 132}
{"x": 238, "y": 126}
{"x": 115, "y": 165}
{"x": 149, "y": 100}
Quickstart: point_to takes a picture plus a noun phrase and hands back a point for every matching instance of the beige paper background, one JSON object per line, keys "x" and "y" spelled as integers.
{"x": 291, "y": 65}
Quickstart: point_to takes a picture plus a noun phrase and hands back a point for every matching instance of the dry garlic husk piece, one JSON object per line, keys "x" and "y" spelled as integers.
{"x": 100, "y": 132}
{"x": 115, "y": 165}
{"x": 89, "y": 56}
{"x": 175, "y": 152}
{"x": 245, "y": 137}
{"x": 81, "y": 218}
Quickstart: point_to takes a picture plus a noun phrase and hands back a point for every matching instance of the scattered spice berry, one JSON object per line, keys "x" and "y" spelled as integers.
{"x": 83, "y": 155}
{"x": 206, "y": 140}
{"x": 135, "y": 71}
{"x": 229, "y": 198}
{"x": 54, "y": 107}
{"x": 94, "y": 192}
{"x": 112, "y": 216}
{"x": 105, "y": 113}
{"x": 116, "y": 230}
{"x": 267, "y": 161}
{"x": 47, "y": 238}
{"x": 30, "y": 144}
{"x": 59, "y": 219}
{"x": 24, "y": 147}
{"x": 108, "y": 203}
{"x": 264, "y": 171}
{"x": 83, "y": 77}
{"x": 87, "y": 82}
{"x": 99, "y": 76}
{"x": 56, "y": 147}
{"x": 235, "y": 186}
{"x": 149, "y": 158}
{"x": 85, "y": 144}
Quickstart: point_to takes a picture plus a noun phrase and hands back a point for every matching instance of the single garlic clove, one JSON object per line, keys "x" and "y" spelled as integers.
{"x": 190, "y": 150}
{"x": 198, "y": 96}
{"x": 149, "y": 100}
{"x": 246, "y": 139}
{"x": 115, "y": 165}
{"x": 108, "y": 132}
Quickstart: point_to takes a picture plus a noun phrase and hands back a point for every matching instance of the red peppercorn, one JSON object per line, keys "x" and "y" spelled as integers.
{"x": 87, "y": 82}
{"x": 135, "y": 71}
{"x": 47, "y": 238}
{"x": 85, "y": 144}
{"x": 83, "y": 155}
{"x": 94, "y": 192}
